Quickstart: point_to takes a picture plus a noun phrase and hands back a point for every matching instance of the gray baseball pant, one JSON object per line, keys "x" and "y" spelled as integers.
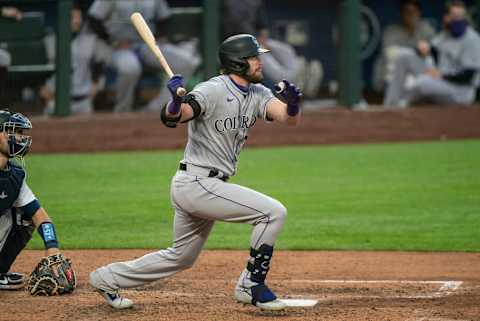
{"x": 424, "y": 87}
{"x": 198, "y": 202}
{"x": 129, "y": 70}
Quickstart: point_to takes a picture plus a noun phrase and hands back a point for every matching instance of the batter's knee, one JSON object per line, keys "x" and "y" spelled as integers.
{"x": 184, "y": 259}
{"x": 186, "y": 262}
{"x": 279, "y": 213}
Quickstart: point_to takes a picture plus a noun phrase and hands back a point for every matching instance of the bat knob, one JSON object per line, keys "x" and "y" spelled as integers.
{"x": 181, "y": 92}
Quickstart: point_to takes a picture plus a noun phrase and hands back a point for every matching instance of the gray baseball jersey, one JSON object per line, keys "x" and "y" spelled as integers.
{"x": 215, "y": 139}
{"x": 455, "y": 55}
{"x": 227, "y": 113}
{"x": 116, "y": 15}
{"x": 458, "y": 54}
{"x": 84, "y": 49}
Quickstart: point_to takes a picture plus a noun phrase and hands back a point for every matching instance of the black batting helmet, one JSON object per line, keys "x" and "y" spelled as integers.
{"x": 14, "y": 124}
{"x": 234, "y": 51}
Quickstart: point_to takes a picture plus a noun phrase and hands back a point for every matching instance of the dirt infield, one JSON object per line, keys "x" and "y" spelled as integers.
{"x": 144, "y": 131}
{"x": 403, "y": 286}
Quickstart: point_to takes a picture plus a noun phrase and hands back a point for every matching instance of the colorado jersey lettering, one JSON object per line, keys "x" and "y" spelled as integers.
{"x": 227, "y": 114}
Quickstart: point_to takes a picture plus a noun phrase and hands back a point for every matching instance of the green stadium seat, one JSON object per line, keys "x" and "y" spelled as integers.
{"x": 24, "y": 40}
{"x": 29, "y": 69}
{"x": 27, "y": 52}
{"x": 30, "y": 27}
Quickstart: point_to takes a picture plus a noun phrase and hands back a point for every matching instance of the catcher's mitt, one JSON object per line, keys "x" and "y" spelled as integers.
{"x": 53, "y": 275}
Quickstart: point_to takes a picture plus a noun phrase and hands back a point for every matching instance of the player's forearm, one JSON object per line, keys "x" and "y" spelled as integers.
{"x": 172, "y": 117}
{"x": 185, "y": 112}
{"x": 293, "y": 121}
{"x": 290, "y": 120}
{"x": 46, "y": 229}
{"x": 40, "y": 217}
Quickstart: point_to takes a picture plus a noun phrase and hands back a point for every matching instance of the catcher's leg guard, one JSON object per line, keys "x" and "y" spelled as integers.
{"x": 251, "y": 287}
{"x": 20, "y": 234}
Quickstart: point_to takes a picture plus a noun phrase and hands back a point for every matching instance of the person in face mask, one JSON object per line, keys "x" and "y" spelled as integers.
{"x": 444, "y": 71}
{"x": 455, "y": 20}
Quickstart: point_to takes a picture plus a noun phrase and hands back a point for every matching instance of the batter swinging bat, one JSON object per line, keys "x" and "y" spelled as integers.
{"x": 147, "y": 36}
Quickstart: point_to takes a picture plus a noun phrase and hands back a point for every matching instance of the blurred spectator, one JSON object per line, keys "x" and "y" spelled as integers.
{"x": 87, "y": 67}
{"x": 110, "y": 20}
{"x": 445, "y": 71}
{"x": 249, "y": 17}
{"x": 398, "y": 38}
{"x": 11, "y": 12}
{"x": 5, "y": 58}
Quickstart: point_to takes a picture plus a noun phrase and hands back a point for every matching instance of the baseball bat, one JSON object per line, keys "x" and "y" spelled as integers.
{"x": 147, "y": 36}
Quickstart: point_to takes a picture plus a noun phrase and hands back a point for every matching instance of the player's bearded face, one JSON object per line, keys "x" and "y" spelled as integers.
{"x": 255, "y": 72}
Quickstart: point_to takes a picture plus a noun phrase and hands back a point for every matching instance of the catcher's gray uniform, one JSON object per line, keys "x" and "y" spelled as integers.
{"x": 200, "y": 194}
{"x": 455, "y": 55}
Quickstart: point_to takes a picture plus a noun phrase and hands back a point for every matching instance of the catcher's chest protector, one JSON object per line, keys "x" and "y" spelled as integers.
{"x": 11, "y": 181}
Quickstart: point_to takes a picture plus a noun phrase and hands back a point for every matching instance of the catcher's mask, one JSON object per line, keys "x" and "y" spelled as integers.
{"x": 14, "y": 125}
{"x": 234, "y": 52}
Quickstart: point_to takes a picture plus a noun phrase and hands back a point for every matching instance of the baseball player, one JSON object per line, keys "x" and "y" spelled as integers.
{"x": 110, "y": 20}
{"x": 220, "y": 112}
{"x": 445, "y": 71}
{"x": 20, "y": 211}
{"x": 87, "y": 67}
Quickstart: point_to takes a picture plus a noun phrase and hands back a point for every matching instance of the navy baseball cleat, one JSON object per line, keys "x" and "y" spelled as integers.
{"x": 115, "y": 300}
{"x": 11, "y": 281}
{"x": 260, "y": 296}
{"x": 112, "y": 297}
{"x": 256, "y": 293}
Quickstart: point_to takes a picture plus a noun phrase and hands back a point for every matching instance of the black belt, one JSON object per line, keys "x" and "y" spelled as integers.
{"x": 213, "y": 172}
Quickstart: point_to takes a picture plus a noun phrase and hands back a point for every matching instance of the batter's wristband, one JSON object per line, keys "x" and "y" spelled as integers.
{"x": 292, "y": 110}
{"x": 48, "y": 235}
{"x": 174, "y": 105}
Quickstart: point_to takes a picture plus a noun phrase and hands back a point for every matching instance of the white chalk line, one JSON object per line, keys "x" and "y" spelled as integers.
{"x": 446, "y": 288}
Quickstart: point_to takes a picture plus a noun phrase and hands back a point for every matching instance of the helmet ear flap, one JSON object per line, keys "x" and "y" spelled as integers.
{"x": 239, "y": 66}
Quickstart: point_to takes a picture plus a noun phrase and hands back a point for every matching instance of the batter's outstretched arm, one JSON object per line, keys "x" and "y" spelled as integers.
{"x": 277, "y": 111}
{"x": 288, "y": 111}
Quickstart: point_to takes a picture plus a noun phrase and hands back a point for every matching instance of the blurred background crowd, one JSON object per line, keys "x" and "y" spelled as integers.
{"x": 411, "y": 51}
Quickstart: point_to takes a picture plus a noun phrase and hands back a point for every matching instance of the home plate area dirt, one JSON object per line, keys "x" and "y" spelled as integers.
{"x": 406, "y": 286}
{"x": 349, "y": 286}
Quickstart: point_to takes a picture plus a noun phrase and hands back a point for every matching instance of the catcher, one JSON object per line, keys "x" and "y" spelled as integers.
{"x": 21, "y": 213}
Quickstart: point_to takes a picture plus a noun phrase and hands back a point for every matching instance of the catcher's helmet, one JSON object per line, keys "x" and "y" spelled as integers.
{"x": 234, "y": 51}
{"x": 14, "y": 124}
